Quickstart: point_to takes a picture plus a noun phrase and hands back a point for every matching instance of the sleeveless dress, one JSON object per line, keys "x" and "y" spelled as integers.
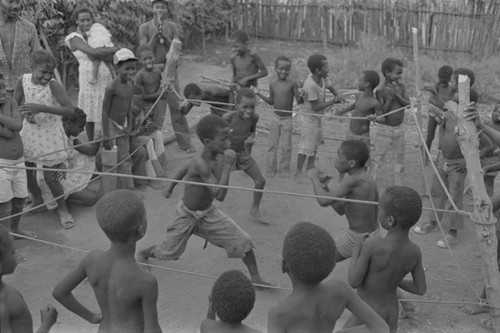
{"x": 47, "y": 133}
{"x": 90, "y": 96}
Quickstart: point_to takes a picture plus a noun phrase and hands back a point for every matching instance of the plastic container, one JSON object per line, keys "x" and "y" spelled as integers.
{"x": 110, "y": 157}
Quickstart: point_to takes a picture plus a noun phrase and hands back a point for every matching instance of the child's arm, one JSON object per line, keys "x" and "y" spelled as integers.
{"x": 149, "y": 308}
{"x": 19, "y": 91}
{"x": 178, "y": 176}
{"x": 48, "y": 318}
{"x": 417, "y": 285}
{"x": 360, "y": 261}
{"x": 106, "y": 108}
{"x": 90, "y": 149}
{"x": 5, "y": 132}
{"x": 338, "y": 97}
{"x": 339, "y": 191}
{"x": 207, "y": 177}
{"x": 269, "y": 100}
{"x": 14, "y": 121}
{"x": 298, "y": 96}
{"x": 403, "y": 98}
{"x": 486, "y": 145}
{"x": 378, "y": 116}
{"x": 385, "y": 97}
{"x": 343, "y": 111}
{"x": 58, "y": 91}
{"x": 262, "y": 70}
{"x": 63, "y": 292}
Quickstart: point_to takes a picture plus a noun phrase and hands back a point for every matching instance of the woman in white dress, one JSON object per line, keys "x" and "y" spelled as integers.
{"x": 91, "y": 93}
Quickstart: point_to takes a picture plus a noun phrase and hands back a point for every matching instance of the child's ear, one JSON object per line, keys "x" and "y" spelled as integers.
{"x": 206, "y": 141}
{"x": 352, "y": 164}
{"x": 390, "y": 221}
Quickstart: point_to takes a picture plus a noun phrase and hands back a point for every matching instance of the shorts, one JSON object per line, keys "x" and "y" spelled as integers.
{"x": 345, "y": 244}
{"x": 13, "y": 182}
{"x": 244, "y": 161}
{"x": 311, "y": 136}
{"x": 210, "y": 224}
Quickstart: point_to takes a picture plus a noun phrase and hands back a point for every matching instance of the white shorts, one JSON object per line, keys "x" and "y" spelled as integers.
{"x": 13, "y": 182}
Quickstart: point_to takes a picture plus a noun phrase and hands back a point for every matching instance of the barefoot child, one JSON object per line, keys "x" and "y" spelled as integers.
{"x": 378, "y": 266}
{"x": 117, "y": 113}
{"x": 231, "y": 300}
{"x": 247, "y": 65}
{"x": 391, "y": 134}
{"x": 362, "y": 218}
{"x": 216, "y": 97}
{"x": 15, "y": 316}
{"x": 99, "y": 36}
{"x": 45, "y": 103}
{"x": 13, "y": 183}
{"x": 196, "y": 214}
{"x": 314, "y": 90}
{"x": 281, "y": 94}
{"x": 243, "y": 124}
{"x": 315, "y": 305}
{"x": 126, "y": 295}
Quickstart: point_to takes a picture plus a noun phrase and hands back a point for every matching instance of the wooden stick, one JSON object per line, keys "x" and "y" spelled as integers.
{"x": 485, "y": 221}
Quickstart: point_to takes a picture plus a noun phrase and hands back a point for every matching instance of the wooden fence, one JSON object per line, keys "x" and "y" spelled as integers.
{"x": 468, "y": 29}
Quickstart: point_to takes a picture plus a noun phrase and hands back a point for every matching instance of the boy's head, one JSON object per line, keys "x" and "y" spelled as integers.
{"x": 399, "y": 206}
{"x": 495, "y": 115}
{"x": 352, "y": 154}
{"x": 461, "y": 71}
{"x": 308, "y": 253}
{"x": 213, "y": 132}
{"x": 283, "y": 65}
{"x": 126, "y": 64}
{"x": 122, "y": 216}
{"x": 392, "y": 69}
{"x": 444, "y": 74}
{"x": 146, "y": 57}
{"x": 43, "y": 65}
{"x": 318, "y": 65}
{"x": 232, "y": 297}
{"x": 3, "y": 92}
{"x": 8, "y": 261}
{"x": 239, "y": 41}
{"x": 245, "y": 103}
{"x": 193, "y": 92}
{"x": 369, "y": 79}
{"x": 74, "y": 124}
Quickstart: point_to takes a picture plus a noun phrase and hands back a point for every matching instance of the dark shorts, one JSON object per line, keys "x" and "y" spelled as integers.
{"x": 244, "y": 160}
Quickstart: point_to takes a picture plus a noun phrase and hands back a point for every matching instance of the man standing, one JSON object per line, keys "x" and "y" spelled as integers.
{"x": 18, "y": 41}
{"x": 159, "y": 33}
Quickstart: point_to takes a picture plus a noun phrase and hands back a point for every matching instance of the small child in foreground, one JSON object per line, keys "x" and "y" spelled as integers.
{"x": 281, "y": 94}
{"x": 99, "y": 36}
{"x": 378, "y": 266}
{"x": 315, "y": 305}
{"x": 126, "y": 295}
{"x": 15, "y": 316}
{"x": 231, "y": 300}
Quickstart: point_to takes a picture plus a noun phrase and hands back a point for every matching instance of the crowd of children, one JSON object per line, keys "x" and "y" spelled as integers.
{"x": 36, "y": 124}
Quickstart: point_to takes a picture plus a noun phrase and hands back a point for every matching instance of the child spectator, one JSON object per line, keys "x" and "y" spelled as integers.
{"x": 315, "y": 305}
{"x": 99, "y": 36}
{"x": 366, "y": 106}
{"x": 117, "y": 113}
{"x": 315, "y": 105}
{"x": 15, "y": 315}
{"x": 451, "y": 167}
{"x": 391, "y": 134}
{"x": 362, "y": 218}
{"x": 443, "y": 90}
{"x": 378, "y": 266}
{"x": 13, "y": 183}
{"x": 231, "y": 300}
{"x": 243, "y": 123}
{"x": 212, "y": 95}
{"x": 491, "y": 163}
{"x": 196, "y": 214}
{"x": 247, "y": 65}
{"x": 45, "y": 102}
{"x": 281, "y": 94}
{"x": 126, "y": 295}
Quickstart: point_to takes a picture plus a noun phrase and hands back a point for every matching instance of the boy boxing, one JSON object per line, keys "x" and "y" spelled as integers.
{"x": 212, "y": 95}
{"x": 247, "y": 65}
{"x": 126, "y": 295}
{"x": 362, "y": 218}
{"x": 315, "y": 305}
{"x": 392, "y": 96}
{"x": 196, "y": 214}
{"x": 281, "y": 94}
{"x": 15, "y": 316}
{"x": 378, "y": 266}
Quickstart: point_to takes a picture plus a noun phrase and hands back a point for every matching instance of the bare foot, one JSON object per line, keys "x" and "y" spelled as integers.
{"x": 255, "y": 216}
{"x": 25, "y": 233}
{"x": 67, "y": 220}
{"x": 35, "y": 207}
{"x": 473, "y": 309}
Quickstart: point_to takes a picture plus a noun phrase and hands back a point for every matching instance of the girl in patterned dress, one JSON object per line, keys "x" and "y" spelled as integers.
{"x": 45, "y": 102}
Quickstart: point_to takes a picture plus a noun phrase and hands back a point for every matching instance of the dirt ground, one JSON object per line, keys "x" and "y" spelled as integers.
{"x": 182, "y": 301}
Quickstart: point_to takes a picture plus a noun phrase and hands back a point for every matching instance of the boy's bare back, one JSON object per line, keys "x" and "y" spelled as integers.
{"x": 363, "y": 107}
{"x": 120, "y": 95}
{"x": 361, "y": 217}
{"x": 14, "y": 314}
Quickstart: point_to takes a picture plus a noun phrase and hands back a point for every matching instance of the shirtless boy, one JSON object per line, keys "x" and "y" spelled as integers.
{"x": 196, "y": 214}
{"x": 281, "y": 94}
{"x": 117, "y": 112}
{"x": 391, "y": 134}
{"x": 126, "y": 295}
{"x": 15, "y": 316}
{"x": 247, "y": 65}
{"x": 362, "y": 218}
{"x": 367, "y": 106}
{"x": 231, "y": 300}
{"x": 378, "y": 266}
{"x": 212, "y": 95}
{"x": 315, "y": 305}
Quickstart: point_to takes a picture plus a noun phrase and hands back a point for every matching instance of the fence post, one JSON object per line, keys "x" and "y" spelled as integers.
{"x": 324, "y": 32}
{"x": 484, "y": 219}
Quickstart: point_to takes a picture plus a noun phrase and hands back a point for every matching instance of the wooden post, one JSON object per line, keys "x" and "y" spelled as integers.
{"x": 324, "y": 33}
{"x": 467, "y": 138}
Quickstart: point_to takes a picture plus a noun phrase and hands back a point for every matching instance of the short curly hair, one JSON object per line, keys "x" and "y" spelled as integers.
{"x": 42, "y": 57}
{"x": 315, "y": 62}
{"x": 244, "y": 92}
{"x": 207, "y": 126}
{"x": 78, "y": 116}
{"x": 233, "y": 297}
{"x": 444, "y": 74}
{"x": 119, "y": 214}
{"x": 6, "y": 242}
{"x": 356, "y": 150}
{"x": 389, "y": 64}
{"x": 403, "y": 204}
{"x": 192, "y": 89}
{"x": 372, "y": 78}
{"x": 240, "y": 36}
{"x": 309, "y": 252}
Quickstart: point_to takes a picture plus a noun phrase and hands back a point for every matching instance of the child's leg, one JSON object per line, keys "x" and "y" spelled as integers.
{"x": 310, "y": 161}
{"x": 383, "y": 141}
{"x": 57, "y": 191}
{"x": 251, "y": 263}
{"x": 125, "y": 168}
{"x": 456, "y": 181}
{"x": 431, "y": 132}
{"x": 5, "y": 210}
{"x": 139, "y": 158}
{"x": 85, "y": 197}
{"x": 301, "y": 158}
{"x": 17, "y": 207}
{"x": 272, "y": 151}
{"x": 398, "y": 147}
{"x": 260, "y": 182}
{"x": 489, "y": 183}
{"x": 33, "y": 188}
{"x": 95, "y": 70}
{"x": 286, "y": 142}
{"x": 89, "y": 129}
